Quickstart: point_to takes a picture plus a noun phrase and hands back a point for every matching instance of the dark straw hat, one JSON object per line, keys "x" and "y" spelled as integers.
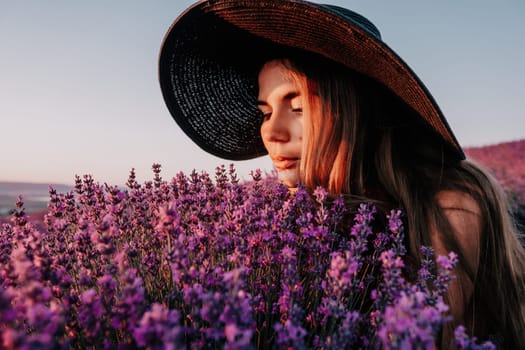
{"x": 209, "y": 59}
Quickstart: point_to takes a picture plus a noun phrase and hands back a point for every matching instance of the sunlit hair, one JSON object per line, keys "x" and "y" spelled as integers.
{"x": 329, "y": 133}
{"x": 361, "y": 141}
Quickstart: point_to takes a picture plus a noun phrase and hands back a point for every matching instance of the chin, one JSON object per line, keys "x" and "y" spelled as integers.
{"x": 290, "y": 178}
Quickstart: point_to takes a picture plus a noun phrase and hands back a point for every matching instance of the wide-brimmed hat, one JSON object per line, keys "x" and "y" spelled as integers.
{"x": 210, "y": 56}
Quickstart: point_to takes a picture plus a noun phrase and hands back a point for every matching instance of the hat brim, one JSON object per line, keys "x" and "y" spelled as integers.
{"x": 210, "y": 56}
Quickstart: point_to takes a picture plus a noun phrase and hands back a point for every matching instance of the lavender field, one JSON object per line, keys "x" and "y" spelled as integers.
{"x": 205, "y": 261}
{"x": 507, "y": 162}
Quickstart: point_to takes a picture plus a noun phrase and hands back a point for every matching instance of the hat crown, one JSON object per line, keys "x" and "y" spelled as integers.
{"x": 355, "y": 18}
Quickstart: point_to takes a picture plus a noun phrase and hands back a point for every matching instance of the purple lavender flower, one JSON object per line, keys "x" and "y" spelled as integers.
{"x": 159, "y": 328}
{"x": 90, "y": 313}
{"x": 290, "y": 335}
{"x": 464, "y": 342}
{"x": 410, "y": 323}
{"x": 197, "y": 262}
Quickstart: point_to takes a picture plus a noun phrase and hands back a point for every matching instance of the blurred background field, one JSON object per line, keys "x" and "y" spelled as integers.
{"x": 35, "y": 196}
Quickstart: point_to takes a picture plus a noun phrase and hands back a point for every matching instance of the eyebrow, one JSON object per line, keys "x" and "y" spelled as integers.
{"x": 288, "y": 96}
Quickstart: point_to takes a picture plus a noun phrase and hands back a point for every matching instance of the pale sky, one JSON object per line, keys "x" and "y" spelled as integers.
{"x": 79, "y": 92}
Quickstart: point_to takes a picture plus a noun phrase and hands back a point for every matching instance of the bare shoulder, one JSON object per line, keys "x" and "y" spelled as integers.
{"x": 464, "y": 216}
{"x": 458, "y": 201}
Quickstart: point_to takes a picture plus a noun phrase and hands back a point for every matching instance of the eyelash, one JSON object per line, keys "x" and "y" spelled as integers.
{"x": 267, "y": 116}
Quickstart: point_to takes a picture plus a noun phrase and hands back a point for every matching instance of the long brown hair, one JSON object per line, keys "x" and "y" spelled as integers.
{"x": 361, "y": 141}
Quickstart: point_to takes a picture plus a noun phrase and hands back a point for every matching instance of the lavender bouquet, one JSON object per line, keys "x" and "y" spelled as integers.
{"x": 199, "y": 263}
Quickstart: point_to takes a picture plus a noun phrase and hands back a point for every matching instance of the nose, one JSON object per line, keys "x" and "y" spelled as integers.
{"x": 276, "y": 128}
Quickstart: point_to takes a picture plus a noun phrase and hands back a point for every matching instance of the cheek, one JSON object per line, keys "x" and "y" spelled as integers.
{"x": 263, "y": 132}
{"x": 298, "y": 129}
{"x": 301, "y": 130}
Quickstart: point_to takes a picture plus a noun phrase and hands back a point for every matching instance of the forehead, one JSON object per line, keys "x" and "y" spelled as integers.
{"x": 274, "y": 76}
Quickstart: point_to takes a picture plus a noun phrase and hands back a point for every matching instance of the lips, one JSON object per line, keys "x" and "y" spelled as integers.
{"x": 285, "y": 163}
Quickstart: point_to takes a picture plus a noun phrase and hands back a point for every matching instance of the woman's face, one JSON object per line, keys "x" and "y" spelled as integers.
{"x": 282, "y": 104}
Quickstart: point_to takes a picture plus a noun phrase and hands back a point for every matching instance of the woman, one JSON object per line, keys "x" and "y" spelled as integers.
{"x": 316, "y": 88}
